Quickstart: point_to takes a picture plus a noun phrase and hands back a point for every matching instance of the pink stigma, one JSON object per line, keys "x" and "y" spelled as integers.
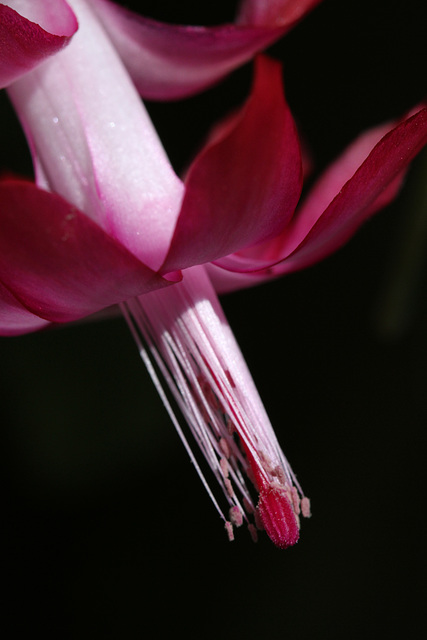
{"x": 277, "y": 517}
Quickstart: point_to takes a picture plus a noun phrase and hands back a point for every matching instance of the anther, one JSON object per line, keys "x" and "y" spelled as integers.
{"x": 225, "y": 447}
{"x": 229, "y": 487}
{"x": 236, "y": 516}
{"x": 224, "y": 467}
{"x": 306, "y": 507}
{"x": 229, "y": 529}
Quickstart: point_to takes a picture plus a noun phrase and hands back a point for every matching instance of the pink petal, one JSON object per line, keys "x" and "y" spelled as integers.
{"x": 242, "y": 189}
{"x": 169, "y": 61}
{"x": 35, "y": 30}
{"x": 344, "y": 197}
{"x": 268, "y": 12}
{"x": 373, "y": 185}
{"x": 15, "y": 319}
{"x": 95, "y": 144}
{"x": 57, "y": 263}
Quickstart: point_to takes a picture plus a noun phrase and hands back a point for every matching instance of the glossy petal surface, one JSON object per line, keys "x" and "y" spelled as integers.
{"x": 270, "y": 12}
{"x": 57, "y": 263}
{"x": 169, "y": 61}
{"x": 31, "y": 31}
{"x": 15, "y": 319}
{"x": 243, "y": 187}
{"x": 348, "y": 193}
{"x": 95, "y": 145}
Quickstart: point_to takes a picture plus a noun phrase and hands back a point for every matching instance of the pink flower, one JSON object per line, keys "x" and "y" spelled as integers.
{"x": 108, "y": 221}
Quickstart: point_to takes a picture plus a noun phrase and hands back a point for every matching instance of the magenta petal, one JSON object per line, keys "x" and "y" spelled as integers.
{"x": 258, "y": 12}
{"x": 227, "y": 281}
{"x": 359, "y": 183}
{"x": 57, "y": 263}
{"x": 38, "y": 29}
{"x": 169, "y": 61}
{"x": 15, "y": 319}
{"x": 373, "y": 186}
{"x": 243, "y": 187}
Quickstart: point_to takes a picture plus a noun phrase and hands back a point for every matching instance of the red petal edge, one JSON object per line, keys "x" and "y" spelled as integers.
{"x": 318, "y": 229}
{"x": 373, "y": 185}
{"x": 270, "y": 12}
{"x": 243, "y": 187}
{"x": 25, "y": 44}
{"x": 57, "y": 263}
{"x": 15, "y": 319}
{"x": 168, "y": 61}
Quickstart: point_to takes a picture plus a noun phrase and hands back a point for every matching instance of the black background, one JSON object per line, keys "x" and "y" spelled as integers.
{"x": 109, "y": 531}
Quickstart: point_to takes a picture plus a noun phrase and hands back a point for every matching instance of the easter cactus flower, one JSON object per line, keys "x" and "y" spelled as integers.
{"x": 108, "y": 222}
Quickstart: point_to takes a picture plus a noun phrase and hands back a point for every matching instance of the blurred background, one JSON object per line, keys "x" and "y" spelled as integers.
{"x": 109, "y": 532}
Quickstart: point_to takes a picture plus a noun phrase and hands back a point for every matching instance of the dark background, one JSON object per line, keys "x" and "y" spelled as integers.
{"x": 108, "y": 530}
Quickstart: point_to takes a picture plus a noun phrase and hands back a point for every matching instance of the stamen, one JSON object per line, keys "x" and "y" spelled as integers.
{"x": 229, "y": 529}
{"x": 236, "y": 516}
{"x": 224, "y": 467}
{"x": 184, "y": 337}
{"x": 224, "y": 447}
{"x": 305, "y": 507}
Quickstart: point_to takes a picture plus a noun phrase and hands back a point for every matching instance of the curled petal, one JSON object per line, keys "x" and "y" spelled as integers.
{"x": 170, "y": 61}
{"x": 243, "y": 187}
{"x": 269, "y": 12}
{"x": 15, "y": 319}
{"x": 57, "y": 263}
{"x": 374, "y": 184}
{"x": 357, "y": 185}
{"x": 28, "y": 35}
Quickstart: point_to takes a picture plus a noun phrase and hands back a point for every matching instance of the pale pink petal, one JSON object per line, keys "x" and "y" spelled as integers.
{"x": 31, "y": 31}
{"x": 95, "y": 143}
{"x": 243, "y": 187}
{"x": 169, "y": 61}
{"x": 360, "y": 182}
{"x": 57, "y": 263}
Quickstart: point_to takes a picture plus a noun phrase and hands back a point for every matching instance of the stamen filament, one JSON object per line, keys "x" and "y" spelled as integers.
{"x": 183, "y": 336}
